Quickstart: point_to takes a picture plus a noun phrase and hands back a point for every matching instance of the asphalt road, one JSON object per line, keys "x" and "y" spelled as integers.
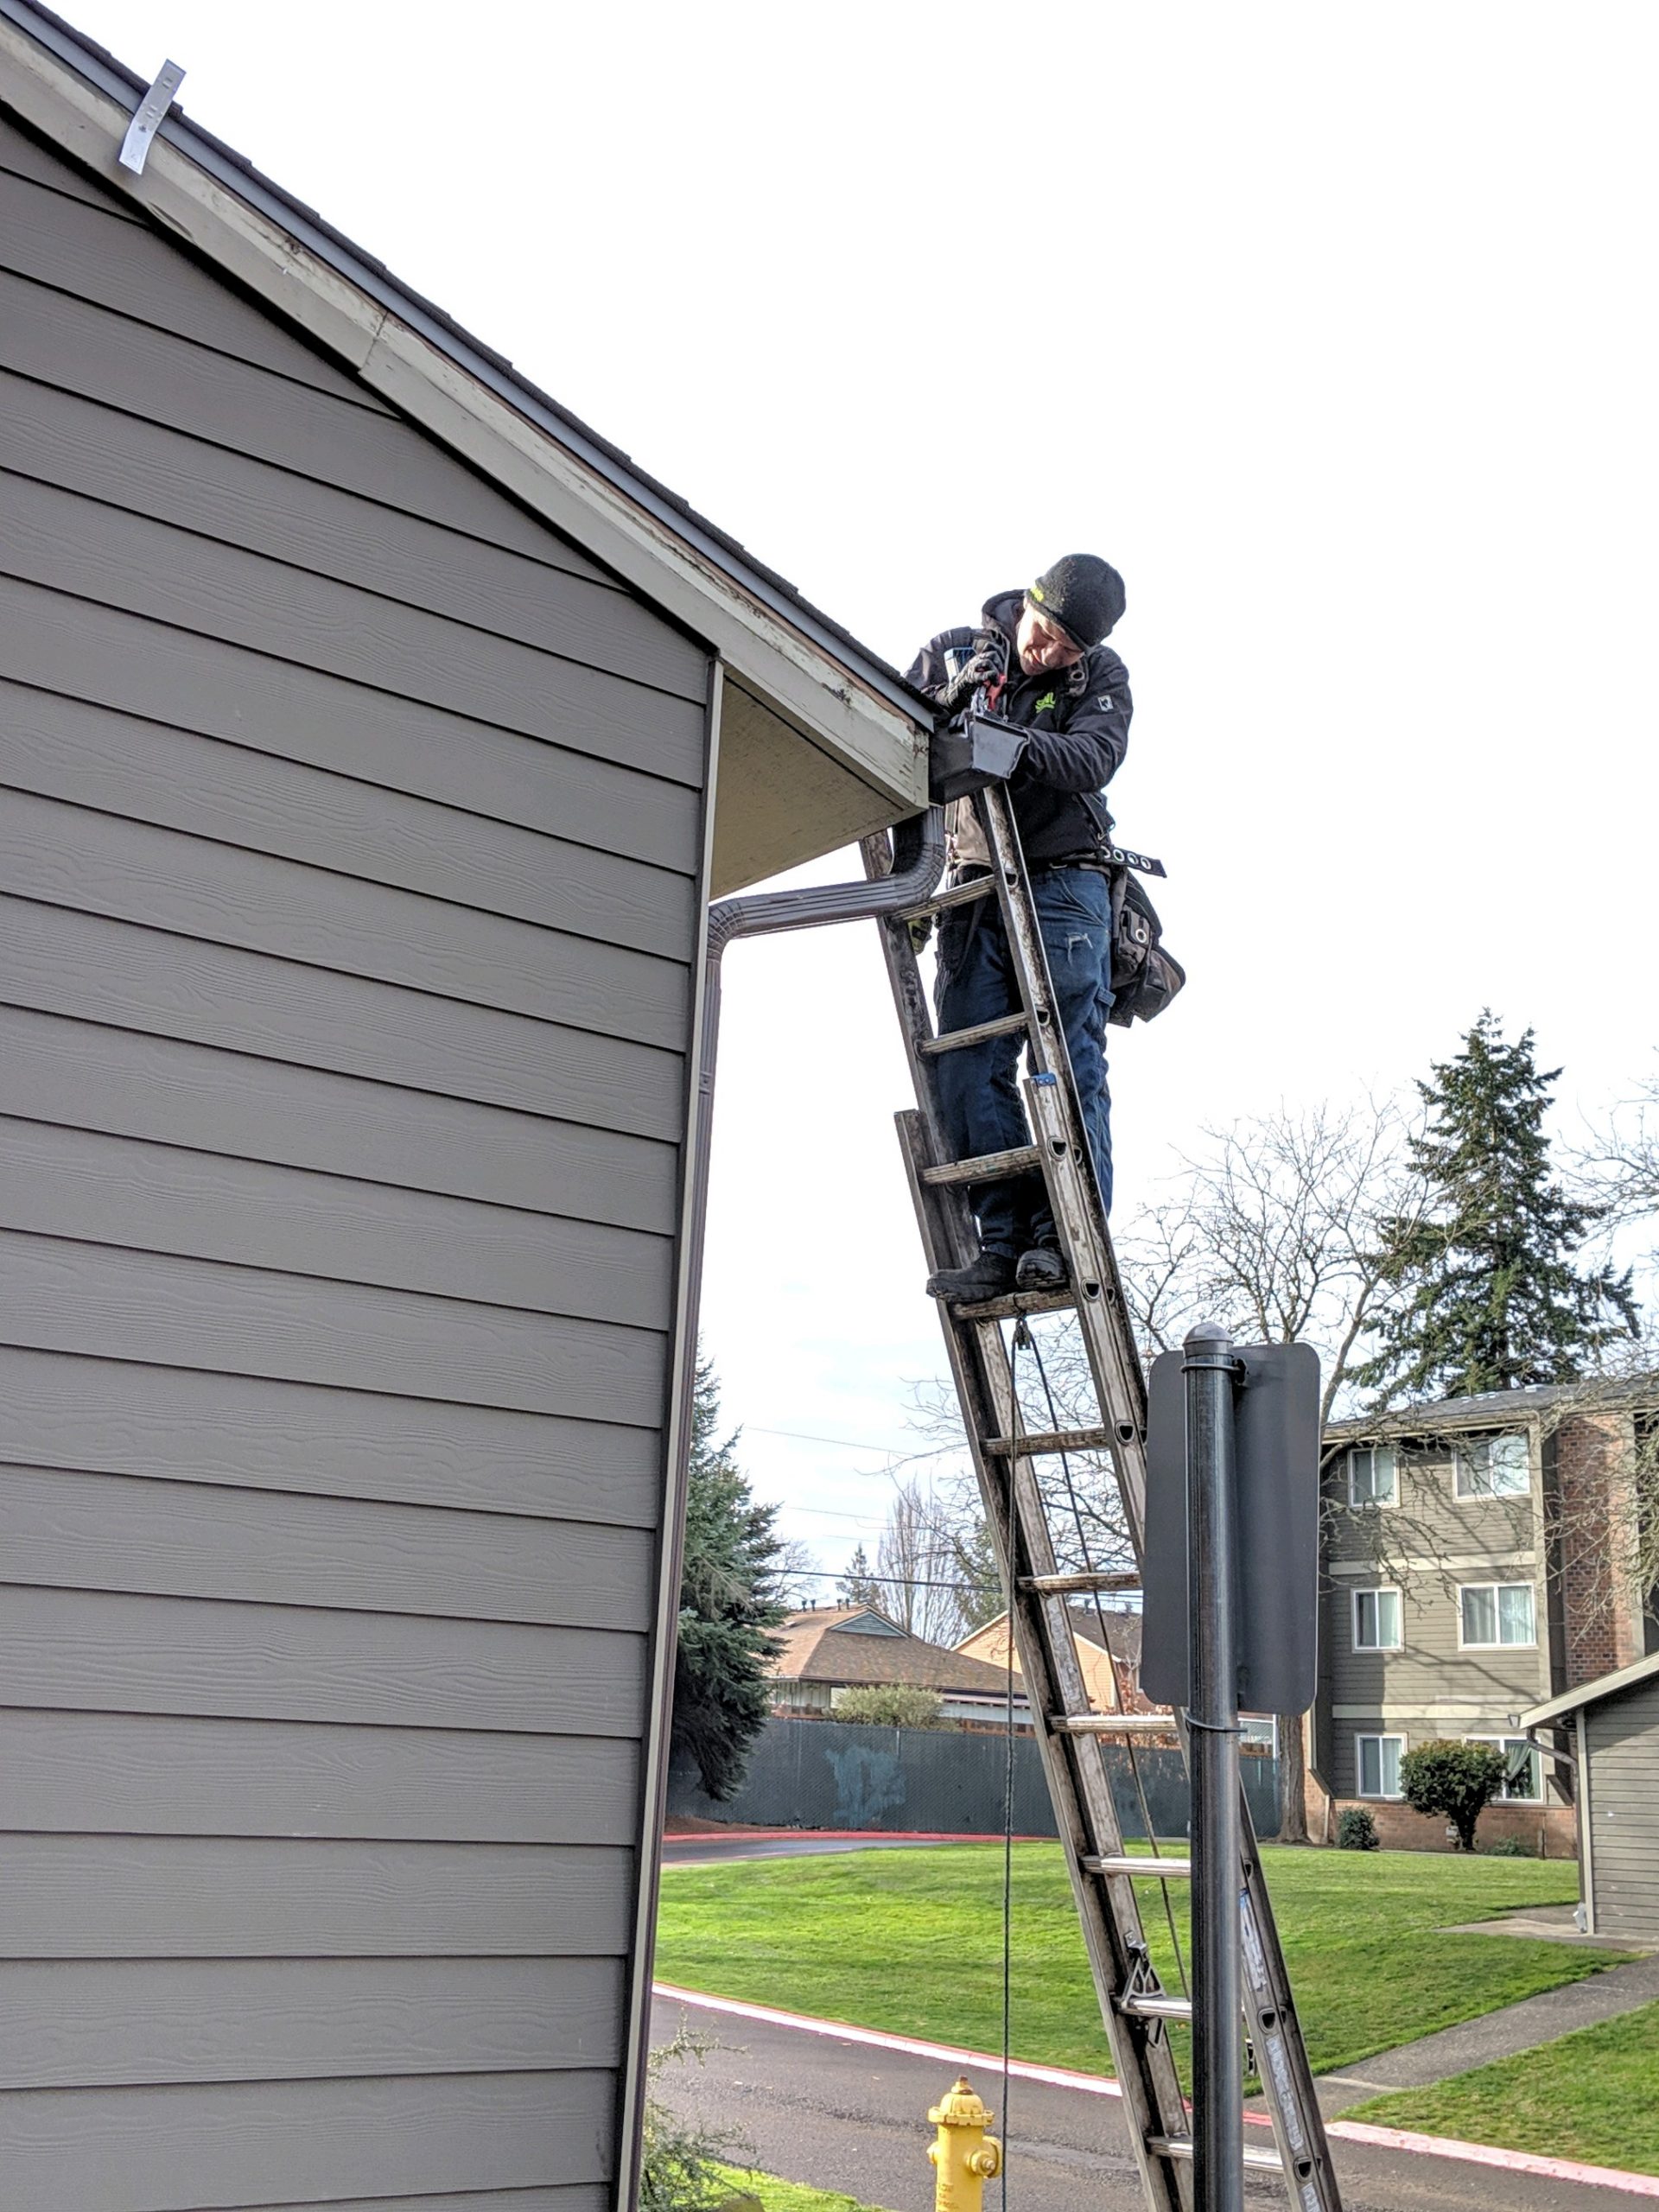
{"x": 845, "y": 2116}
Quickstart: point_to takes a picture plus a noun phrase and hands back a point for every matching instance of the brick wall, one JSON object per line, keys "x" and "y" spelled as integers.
{"x": 1595, "y": 1477}
{"x": 1549, "y": 1830}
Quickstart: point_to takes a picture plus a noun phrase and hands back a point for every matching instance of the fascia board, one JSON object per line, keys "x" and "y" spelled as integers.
{"x": 861, "y": 714}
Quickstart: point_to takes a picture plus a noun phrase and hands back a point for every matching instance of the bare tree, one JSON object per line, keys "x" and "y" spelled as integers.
{"x": 795, "y": 1575}
{"x": 1618, "y": 1167}
{"x": 919, "y": 1563}
{"x": 1276, "y": 1230}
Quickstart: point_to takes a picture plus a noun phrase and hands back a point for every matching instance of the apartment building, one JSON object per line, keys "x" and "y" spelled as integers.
{"x": 1480, "y": 1557}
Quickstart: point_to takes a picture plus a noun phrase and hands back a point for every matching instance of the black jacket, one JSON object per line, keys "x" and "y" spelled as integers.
{"x": 1078, "y": 719}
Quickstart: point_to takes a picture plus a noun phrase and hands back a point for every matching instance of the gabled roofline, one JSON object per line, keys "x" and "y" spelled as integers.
{"x": 1592, "y": 1692}
{"x": 426, "y": 364}
{"x": 1498, "y": 1410}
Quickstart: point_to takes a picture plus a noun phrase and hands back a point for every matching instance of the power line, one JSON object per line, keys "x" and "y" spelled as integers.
{"x": 848, "y": 1444}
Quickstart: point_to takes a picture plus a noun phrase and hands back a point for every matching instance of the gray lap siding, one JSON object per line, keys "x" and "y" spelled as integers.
{"x": 1621, "y": 1737}
{"x": 351, "y": 828}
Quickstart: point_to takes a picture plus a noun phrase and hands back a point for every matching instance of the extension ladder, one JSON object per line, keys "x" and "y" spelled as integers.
{"x": 1135, "y": 2008}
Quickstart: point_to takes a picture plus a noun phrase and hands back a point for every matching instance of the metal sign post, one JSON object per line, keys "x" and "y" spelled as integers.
{"x": 1212, "y": 1760}
{"x": 1232, "y": 1620}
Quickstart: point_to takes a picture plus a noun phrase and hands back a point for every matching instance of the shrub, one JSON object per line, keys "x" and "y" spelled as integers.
{"x": 680, "y": 2171}
{"x": 893, "y": 1705}
{"x": 1457, "y": 1780}
{"x": 1509, "y": 1846}
{"x": 1356, "y": 1830}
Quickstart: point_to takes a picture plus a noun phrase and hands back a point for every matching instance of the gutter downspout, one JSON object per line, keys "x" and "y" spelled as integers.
{"x": 917, "y": 864}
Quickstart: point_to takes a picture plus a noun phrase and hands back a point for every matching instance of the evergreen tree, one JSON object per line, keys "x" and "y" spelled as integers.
{"x": 728, "y": 1602}
{"x": 1487, "y": 1298}
{"x": 858, "y": 1586}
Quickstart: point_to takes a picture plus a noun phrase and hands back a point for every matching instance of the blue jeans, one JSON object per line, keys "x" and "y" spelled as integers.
{"x": 981, "y": 1105}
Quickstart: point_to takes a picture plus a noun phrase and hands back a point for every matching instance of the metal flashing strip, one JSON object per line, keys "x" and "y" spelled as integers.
{"x": 702, "y": 537}
{"x": 147, "y": 115}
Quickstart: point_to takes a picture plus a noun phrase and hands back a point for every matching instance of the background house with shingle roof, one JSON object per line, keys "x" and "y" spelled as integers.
{"x": 828, "y": 1649}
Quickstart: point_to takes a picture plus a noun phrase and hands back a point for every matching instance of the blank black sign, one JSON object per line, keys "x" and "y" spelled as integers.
{"x": 1276, "y": 1425}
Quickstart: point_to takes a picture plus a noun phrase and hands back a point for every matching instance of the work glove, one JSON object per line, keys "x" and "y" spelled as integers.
{"x": 987, "y": 664}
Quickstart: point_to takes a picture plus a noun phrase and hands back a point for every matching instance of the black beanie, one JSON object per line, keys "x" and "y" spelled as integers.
{"x": 1084, "y": 595}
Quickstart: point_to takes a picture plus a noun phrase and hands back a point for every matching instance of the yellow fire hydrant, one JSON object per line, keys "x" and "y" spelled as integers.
{"x": 964, "y": 2157}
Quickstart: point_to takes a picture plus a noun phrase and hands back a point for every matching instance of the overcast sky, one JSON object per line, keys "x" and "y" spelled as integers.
{"x": 1332, "y": 327}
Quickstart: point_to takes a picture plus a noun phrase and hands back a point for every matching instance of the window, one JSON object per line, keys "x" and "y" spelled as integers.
{"x": 1497, "y": 1612}
{"x": 1376, "y": 1621}
{"x": 1491, "y": 1466}
{"x": 1378, "y": 1759}
{"x": 1523, "y": 1784}
{"x": 1373, "y": 1479}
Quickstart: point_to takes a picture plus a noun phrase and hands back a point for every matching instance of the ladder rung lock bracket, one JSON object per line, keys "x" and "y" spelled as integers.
{"x": 1040, "y": 1443}
{"x": 1156, "y": 2008}
{"x": 1161, "y": 1870}
{"x": 988, "y": 1167}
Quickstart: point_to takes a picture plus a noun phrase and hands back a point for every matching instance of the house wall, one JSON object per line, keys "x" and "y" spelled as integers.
{"x": 350, "y": 853}
{"x": 1621, "y": 1741}
{"x": 1426, "y": 1546}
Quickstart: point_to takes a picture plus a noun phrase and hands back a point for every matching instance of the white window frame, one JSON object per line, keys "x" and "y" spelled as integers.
{"x": 1379, "y": 1796}
{"x": 1463, "y": 1465}
{"x": 1507, "y": 1745}
{"x": 1502, "y": 1642}
{"x": 1380, "y": 1589}
{"x": 1374, "y": 1453}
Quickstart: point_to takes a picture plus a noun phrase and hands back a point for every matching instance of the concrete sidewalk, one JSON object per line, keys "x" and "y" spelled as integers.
{"x": 1534, "y": 2020}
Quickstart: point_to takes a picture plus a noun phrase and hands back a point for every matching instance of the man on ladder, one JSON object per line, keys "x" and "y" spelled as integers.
{"x": 1041, "y": 655}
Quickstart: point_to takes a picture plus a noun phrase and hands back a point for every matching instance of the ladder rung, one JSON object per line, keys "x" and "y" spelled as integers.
{"x": 1112, "y": 1724}
{"x": 952, "y": 1040}
{"x": 1041, "y": 1441}
{"x": 1077, "y": 1585}
{"x": 1180, "y": 2147}
{"x": 1162, "y": 1869}
{"x": 1016, "y": 1302}
{"x": 988, "y": 1167}
{"x": 960, "y": 894}
{"x": 1155, "y": 2005}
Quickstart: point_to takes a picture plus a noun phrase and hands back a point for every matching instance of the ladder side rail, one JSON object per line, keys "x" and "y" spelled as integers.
{"x": 1079, "y": 1784}
{"x": 1281, "y": 2050}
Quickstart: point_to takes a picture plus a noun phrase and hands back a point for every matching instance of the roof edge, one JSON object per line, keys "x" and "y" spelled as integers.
{"x": 1622, "y": 1678}
{"x": 394, "y": 339}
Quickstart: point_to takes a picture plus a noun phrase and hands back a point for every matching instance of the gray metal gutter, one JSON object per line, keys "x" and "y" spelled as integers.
{"x": 706, "y": 539}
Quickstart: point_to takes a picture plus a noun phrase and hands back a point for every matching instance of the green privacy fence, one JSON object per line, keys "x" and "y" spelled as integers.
{"x": 839, "y": 1774}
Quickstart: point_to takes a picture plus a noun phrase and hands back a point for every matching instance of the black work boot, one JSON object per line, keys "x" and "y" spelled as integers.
{"x": 991, "y": 1275}
{"x": 1041, "y": 1269}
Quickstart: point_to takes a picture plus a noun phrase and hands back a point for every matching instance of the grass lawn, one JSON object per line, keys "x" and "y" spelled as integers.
{"x": 1589, "y": 2096}
{"x": 777, "y": 2196}
{"x": 911, "y": 1942}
